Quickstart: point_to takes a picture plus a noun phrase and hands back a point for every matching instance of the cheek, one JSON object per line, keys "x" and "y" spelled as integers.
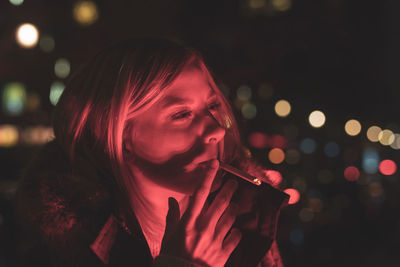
{"x": 160, "y": 144}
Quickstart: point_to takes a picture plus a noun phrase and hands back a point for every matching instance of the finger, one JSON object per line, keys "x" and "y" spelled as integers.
{"x": 231, "y": 241}
{"x": 172, "y": 219}
{"x": 221, "y": 202}
{"x": 226, "y": 221}
{"x": 200, "y": 196}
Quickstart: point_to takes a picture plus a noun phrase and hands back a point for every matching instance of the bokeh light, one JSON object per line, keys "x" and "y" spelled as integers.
{"x": 308, "y": 146}
{"x": 317, "y": 119}
{"x": 14, "y": 97}
{"x": 282, "y": 108}
{"x": 62, "y": 68}
{"x": 351, "y": 173}
{"x": 386, "y": 137}
{"x": 387, "y": 167}
{"x": 276, "y": 155}
{"x": 306, "y": 215}
{"x": 315, "y": 204}
{"x": 352, "y": 127}
{"x": 85, "y": 12}
{"x": 37, "y": 135}
{"x": 27, "y": 35}
{"x": 56, "y": 90}
{"x": 375, "y": 189}
{"x": 277, "y": 140}
{"x": 16, "y": 2}
{"x": 373, "y": 133}
{"x": 9, "y": 135}
{"x": 47, "y": 43}
{"x": 370, "y": 160}
{"x": 32, "y": 101}
{"x": 331, "y": 149}
{"x": 249, "y": 111}
{"x": 274, "y": 177}
{"x": 257, "y": 3}
{"x": 281, "y": 5}
{"x": 244, "y": 93}
{"x": 292, "y": 156}
{"x": 258, "y": 140}
{"x": 396, "y": 142}
{"x": 294, "y": 195}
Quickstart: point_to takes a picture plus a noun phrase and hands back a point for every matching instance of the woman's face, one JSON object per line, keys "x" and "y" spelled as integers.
{"x": 171, "y": 140}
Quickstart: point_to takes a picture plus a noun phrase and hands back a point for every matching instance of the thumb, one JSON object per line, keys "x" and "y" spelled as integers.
{"x": 172, "y": 219}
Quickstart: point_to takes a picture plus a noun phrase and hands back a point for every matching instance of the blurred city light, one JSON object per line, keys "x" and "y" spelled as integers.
{"x": 281, "y": 5}
{"x": 396, "y": 142}
{"x": 370, "y": 161}
{"x": 258, "y": 140}
{"x": 14, "y": 97}
{"x": 308, "y": 145}
{"x": 8, "y": 135}
{"x": 46, "y": 43}
{"x": 27, "y": 35}
{"x": 274, "y": 177}
{"x": 244, "y": 93}
{"x": 37, "y": 135}
{"x": 294, "y": 195}
{"x": 387, "y": 167}
{"x": 282, "y": 108}
{"x": 276, "y": 155}
{"x": 386, "y": 137}
{"x": 306, "y": 215}
{"x": 56, "y": 90}
{"x": 62, "y": 68}
{"x": 373, "y": 133}
{"x": 352, "y": 127}
{"x": 292, "y": 156}
{"x": 351, "y": 173}
{"x": 32, "y": 101}
{"x": 249, "y": 111}
{"x": 317, "y": 119}
{"x": 85, "y": 12}
{"x": 16, "y": 2}
{"x": 257, "y": 3}
{"x": 331, "y": 149}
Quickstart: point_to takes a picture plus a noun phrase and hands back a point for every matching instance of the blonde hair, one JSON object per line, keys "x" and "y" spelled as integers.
{"x": 114, "y": 87}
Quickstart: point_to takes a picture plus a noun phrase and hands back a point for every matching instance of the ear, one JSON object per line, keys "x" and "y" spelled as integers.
{"x": 127, "y": 138}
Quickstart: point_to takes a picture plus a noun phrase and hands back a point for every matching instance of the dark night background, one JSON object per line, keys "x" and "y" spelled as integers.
{"x": 339, "y": 56}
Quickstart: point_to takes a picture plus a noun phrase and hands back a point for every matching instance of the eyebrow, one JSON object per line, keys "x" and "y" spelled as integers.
{"x": 173, "y": 100}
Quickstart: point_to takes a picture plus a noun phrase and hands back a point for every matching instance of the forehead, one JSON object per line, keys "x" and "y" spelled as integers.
{"x": 192, "y": 82}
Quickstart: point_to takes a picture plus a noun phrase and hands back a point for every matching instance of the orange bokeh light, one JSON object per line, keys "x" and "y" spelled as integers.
{"x": 276, "y": 155}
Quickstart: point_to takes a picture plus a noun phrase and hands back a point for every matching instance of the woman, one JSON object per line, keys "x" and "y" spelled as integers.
{"x": 132, "y": 176}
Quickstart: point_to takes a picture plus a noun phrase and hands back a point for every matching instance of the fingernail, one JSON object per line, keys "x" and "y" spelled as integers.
{"x": 214, "y": 163}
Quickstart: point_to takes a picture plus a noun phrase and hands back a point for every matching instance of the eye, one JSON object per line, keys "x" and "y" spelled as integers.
{"x": 182, "y": 115}
{"x": 215, "y": 105}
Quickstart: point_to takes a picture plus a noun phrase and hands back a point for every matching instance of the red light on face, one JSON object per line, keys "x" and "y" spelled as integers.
{"x": 258, "y": 140}
{"x": 351, "y": 173}
{"x": 387, "y": 167}
{"x": 275, "y": 177}
{"x": 294, "y": 195}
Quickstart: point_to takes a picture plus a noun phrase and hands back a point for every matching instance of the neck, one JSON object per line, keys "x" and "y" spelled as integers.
{"x": 149, "y": 202}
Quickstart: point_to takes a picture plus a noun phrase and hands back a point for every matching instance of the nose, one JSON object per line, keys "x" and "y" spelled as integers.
{"x": 213, "y": 132}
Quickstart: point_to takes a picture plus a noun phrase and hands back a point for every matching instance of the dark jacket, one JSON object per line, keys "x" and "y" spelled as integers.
{"x": 69, "y": 219}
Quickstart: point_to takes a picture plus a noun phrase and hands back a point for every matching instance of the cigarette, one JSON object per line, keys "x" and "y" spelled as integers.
{"x": 239, "y": 173}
